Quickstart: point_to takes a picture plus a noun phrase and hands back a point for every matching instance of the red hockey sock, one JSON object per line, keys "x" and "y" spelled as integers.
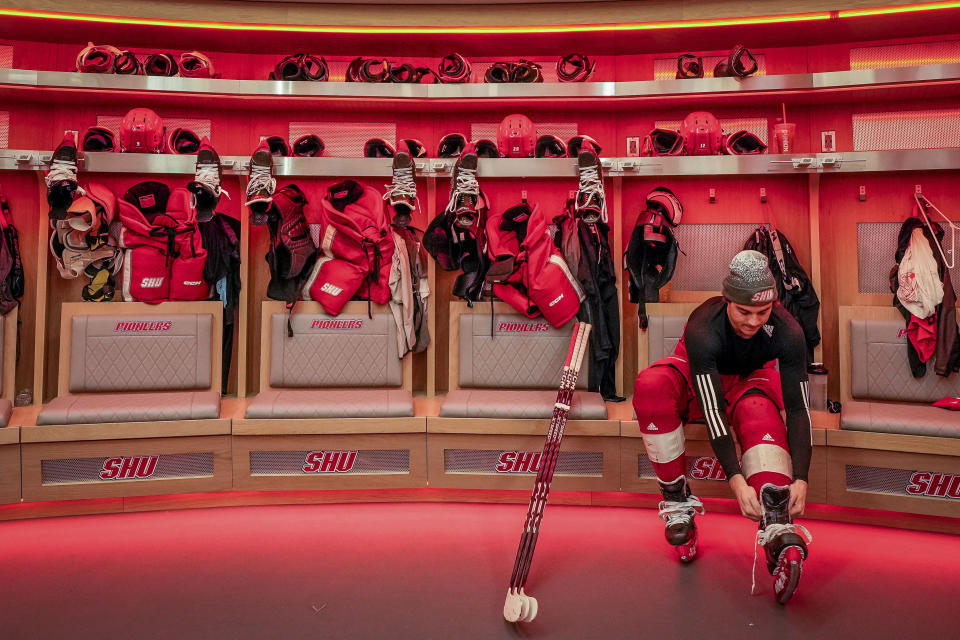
{"x": 657, "y": 397}
{"x": 763, "y": 440}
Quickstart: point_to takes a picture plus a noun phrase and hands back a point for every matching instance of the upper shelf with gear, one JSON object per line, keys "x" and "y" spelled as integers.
{"x": 874, "y": 84}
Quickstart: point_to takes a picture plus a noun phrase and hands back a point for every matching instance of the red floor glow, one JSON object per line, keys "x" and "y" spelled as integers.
{"x": 441, "y": 570}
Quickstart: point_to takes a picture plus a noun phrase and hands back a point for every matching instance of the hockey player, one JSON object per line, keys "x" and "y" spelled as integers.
{"x": 723, "y": 371}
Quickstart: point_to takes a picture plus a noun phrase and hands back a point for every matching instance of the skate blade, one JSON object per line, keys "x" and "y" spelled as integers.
{"x": 787, "y": 574}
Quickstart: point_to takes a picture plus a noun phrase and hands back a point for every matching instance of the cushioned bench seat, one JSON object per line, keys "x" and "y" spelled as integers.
{"x": 96, "y": 408}
{"x": 912, "y": 419}
{"x": 331, "y": 403}
{"x": 504, "y": 404}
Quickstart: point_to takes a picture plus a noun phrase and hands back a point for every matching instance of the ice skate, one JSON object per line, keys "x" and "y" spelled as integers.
{"x": 205, "y": 186}
{"x": 784, "y": 542}
{"x": 591, "y": 202}
{"x": 677, "y": 510}
{"x": 62, "y": 177}
{"x": 262, "y": 183}
{"x": 401, "y": 193}
{"x": 466, "y": 201}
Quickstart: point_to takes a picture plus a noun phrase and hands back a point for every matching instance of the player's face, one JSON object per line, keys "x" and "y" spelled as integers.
{"x": 746, "y": 321}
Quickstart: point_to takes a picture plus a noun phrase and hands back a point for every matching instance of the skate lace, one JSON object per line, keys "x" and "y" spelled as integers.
{"x": 591, "y": 186}
{"x": 672, "y": 512}
{"x": 260, "y": 179}
{"x": 209, "y": 176}
{"x": 403, "y": 185}
{"x": 767, "y": 534}
{"x": 466, "y": 185}
{"x": 61, "y": 170}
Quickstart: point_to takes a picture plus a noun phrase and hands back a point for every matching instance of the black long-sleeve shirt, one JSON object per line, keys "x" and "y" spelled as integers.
{"x": 713, "y": 348}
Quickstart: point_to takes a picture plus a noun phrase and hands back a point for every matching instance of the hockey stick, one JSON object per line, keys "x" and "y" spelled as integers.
{"x": 518, "y": 606}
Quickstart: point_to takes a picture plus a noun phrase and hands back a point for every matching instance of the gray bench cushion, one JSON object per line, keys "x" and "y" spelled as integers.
{"x": 663, "y": 334}
{"x": 523, "y": 353}
{"x": 879, "y": 368}
{"x": 331, "y": 403}
{"x": 140, "y": 353}
{"x": 912, "y": 419}
{"x": 89, "y": 408}
{"x": 496, "y": 403}
{"x": 326, "y": 351}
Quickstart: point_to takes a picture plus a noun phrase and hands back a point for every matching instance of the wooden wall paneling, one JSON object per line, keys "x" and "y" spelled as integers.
{"x": 9, "y": 472}
{"x": 34, "y": 488}
{"x": 625, "y": 371}
{"x": 244, "y": 479}
{"x": 439, "y": 477}
{"x": 839, "y": 493}
{"x": 432, "y": 305}
{"x": 889, "y": 198}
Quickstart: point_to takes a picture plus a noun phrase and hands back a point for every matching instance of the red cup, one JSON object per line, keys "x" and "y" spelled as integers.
{"x": 784, "y": 133}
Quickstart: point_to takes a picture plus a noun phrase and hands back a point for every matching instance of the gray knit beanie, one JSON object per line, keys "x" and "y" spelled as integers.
{"x": 750, "y": 281}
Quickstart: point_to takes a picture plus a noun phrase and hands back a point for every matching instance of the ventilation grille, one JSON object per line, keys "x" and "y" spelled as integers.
{"x": 876, "y": 246}
{"x": 905, "y": 55}
{"x": 344, "y": 139}
{"x": 328, "y": 463}
{"x": 709, "y": 249}
{"x": 903, "y": 482}
{"x": 4, "y": 129}
{"x": 581, "y": 464}
{"x": 103, "y": 470}
{"x": 934, "y": 129}
{"x": 6, "y": 57}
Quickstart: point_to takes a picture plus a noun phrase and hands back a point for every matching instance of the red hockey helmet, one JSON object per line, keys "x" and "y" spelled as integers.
{"x": 141, "y": 131}
{"x": 517, "y": 137}
{"x": 702, "y": 134}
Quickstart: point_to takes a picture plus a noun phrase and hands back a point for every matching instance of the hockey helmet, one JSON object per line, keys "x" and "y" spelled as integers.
{"x": 743, "y": 143}
{"x": 378, "y": 148}
{"x": 662, "y": 142}
{"x": 278, "y": 146}
{"x": 485, "y": 148}
{"x": 183, "y": 141}
{"x": 308, "y": 146}
{"x": 689, "y": 66}
{"x": 451, "y": 145}
{"x": 576, "y": 143}
{"x": 702, "y": 134}
{"x": 550, "y": 146}
{"x": 141, "y": 131}
{"x": 663, "y": 201}
{"x": 98, "y": 139}
{"x": 414, "y": 147}
{"x": 517, "y": 136}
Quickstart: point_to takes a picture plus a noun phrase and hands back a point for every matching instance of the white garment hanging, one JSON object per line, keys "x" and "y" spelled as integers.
{"x": 920, "y": 289}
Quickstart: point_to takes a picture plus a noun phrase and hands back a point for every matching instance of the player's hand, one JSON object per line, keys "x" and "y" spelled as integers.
{"x": 746, "y": 497}
{"x": 798, "y": 497}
